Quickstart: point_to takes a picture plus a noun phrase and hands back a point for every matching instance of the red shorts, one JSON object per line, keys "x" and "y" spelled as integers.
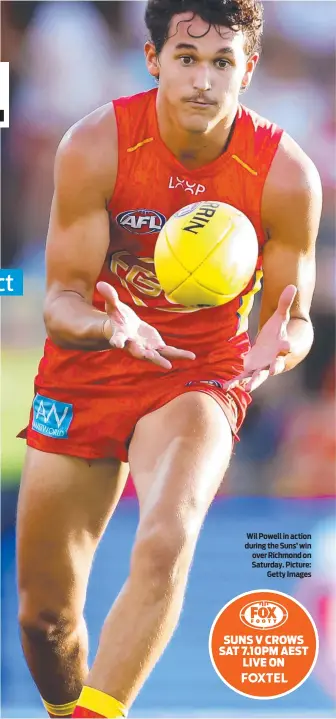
{"x": 93, "y": 419}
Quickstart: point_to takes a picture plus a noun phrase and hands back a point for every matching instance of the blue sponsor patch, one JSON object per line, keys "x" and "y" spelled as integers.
{"x": 51, "y": 417}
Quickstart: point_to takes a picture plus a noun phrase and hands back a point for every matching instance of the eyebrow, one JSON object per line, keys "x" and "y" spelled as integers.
{"x": 189, "y": 46}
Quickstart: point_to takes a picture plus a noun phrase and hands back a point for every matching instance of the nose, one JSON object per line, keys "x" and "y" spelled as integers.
{"x": 202, "y": 81}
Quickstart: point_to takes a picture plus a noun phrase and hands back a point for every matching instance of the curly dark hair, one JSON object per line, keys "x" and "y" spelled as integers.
{"x": 246, "y": 15}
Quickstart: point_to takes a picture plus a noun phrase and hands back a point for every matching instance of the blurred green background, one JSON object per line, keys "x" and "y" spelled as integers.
{"x": 18, "y": 371}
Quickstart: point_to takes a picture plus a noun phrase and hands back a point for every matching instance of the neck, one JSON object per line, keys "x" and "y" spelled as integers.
{"x": 193, "y": 149}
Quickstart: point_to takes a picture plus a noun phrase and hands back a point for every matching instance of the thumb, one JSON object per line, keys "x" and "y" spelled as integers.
{"x": 286, "y": 300}
{"x": 277, "y": 366}
{"x": 114, "y": 335}
{"x": 118, "y": 339}
{"x": 110, "y": 295}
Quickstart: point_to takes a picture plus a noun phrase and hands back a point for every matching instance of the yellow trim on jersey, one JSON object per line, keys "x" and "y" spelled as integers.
{"x": 137, "y": 301}
{"x": 60, "y": 710}
{"x": 140, "y": 144}
{"x": 243, "y": 164}
{"x": 247, "y": 303}
{"x": 101, "y": 703}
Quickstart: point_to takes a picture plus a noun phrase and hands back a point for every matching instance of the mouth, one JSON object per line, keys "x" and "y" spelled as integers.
{"x": 201, "y": 103}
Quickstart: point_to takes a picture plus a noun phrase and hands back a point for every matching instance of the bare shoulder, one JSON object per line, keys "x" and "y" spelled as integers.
{"x": 292, "y": 167}
{"x": 293, "y": 182}
{"x": 88, "y": 152}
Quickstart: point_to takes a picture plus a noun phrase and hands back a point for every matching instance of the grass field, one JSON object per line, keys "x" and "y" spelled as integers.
{"x": 19, "y": 368}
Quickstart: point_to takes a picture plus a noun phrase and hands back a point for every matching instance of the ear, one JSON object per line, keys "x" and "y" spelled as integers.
{"x": 250, "y": 67}
{"x": 152, "y": 60}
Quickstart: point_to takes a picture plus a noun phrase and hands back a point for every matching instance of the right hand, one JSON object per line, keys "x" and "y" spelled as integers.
{"x": 125, "y": 330}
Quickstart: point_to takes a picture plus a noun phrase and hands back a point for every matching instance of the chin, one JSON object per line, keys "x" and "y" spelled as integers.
{"x": 197, "y": 125}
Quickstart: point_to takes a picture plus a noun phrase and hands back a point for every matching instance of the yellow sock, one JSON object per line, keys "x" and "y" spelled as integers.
{"x": 94, "y": 703}
{"x": 60, "y": 710}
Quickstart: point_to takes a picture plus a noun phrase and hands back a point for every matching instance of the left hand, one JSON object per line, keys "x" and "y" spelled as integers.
{"x": 267, "y": 356}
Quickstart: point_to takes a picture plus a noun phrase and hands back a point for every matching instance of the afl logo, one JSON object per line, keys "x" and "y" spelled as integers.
{"x": 263, "y": 615}
{"x": 141, "y": 222}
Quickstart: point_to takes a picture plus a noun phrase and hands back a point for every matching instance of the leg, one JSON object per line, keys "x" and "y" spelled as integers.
{"x": 64, "y": 506}
{"x": 178, "y": 456}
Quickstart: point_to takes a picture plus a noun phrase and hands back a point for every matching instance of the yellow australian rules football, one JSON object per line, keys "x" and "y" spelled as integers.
{"x": 205, "y": 254}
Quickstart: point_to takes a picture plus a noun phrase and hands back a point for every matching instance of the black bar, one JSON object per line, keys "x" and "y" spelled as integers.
{"x": 2, "y": 115}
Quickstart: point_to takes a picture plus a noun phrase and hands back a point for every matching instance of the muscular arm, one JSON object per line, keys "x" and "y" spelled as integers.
{"x": 78, "y": 235}
{"x": 291, "y": 214}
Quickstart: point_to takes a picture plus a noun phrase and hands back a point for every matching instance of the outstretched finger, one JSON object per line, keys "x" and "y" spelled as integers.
{"x": 174, "y": 353}
{"x": 286, "y": 300}
{"x": 141, "y": 353}
{"x": 277, "y": 366}
{"x": 109, "y": 293}
{"x": 256, "y": 380}
{"x": 241, "y": 379}
{"x": 155, "y": 357}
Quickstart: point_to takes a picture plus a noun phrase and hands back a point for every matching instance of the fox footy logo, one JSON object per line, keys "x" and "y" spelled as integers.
{"x": 141, "y": 222}
{"x": 263, "y": 615}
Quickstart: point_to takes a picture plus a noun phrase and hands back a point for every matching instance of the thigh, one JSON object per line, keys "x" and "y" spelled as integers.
{"x": 64, "y": 506}
{"x": 179, "y": 454}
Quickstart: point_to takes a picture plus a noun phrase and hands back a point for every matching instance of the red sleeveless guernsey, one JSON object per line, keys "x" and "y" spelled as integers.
{"x": 151, "y": 186}
{"x": 88, "y": 403}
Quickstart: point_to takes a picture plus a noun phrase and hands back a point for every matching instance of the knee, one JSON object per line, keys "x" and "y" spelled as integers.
{"x": 200, "y": 414}
{"x": 163, "y": 552}
{"x": 45, "y": 623}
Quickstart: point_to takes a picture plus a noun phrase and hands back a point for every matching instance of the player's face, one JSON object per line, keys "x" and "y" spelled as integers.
{"x": 201, "y": 72}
